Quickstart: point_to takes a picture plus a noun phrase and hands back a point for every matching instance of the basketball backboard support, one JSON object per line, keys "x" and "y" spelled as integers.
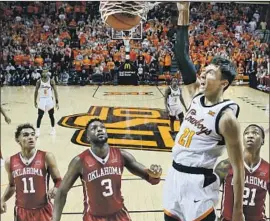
{"x": 134, "y": 33}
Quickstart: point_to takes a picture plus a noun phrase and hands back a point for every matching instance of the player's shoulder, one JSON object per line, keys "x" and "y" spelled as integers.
{"x": 196, "y": 97}
{"x": 265, "y": 164}
{"x": 14, "y": 156}
{"x": 83, "y": 154}
{"x": 52, "y": 81}
{"x": 168, "y": 90}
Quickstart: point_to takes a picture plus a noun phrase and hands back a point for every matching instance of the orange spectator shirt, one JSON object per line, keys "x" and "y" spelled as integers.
{"x": 39, "y": 61}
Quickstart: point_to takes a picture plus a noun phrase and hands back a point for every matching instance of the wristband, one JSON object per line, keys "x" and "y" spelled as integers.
{"x": 57, "y": 182}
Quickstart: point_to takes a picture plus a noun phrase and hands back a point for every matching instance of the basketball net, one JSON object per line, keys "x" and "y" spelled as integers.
{"x": 140, "y": 8}
{"x": 136, "y": 8}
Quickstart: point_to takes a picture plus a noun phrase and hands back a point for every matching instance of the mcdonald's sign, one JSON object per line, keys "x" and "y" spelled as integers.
{"x": 127, "y": 66}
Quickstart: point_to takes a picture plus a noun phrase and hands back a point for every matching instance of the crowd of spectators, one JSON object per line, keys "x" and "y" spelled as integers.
{"x": 70, "y": 39}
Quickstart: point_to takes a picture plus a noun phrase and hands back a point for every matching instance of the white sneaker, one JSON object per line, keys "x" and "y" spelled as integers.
{"x": 37, "y": 132}
{"x": 53, "y": 132}
{"x": 2, "y": 163}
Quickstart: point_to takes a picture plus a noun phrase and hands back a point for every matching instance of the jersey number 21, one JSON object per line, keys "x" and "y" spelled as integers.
{"x": 186, "y": 138}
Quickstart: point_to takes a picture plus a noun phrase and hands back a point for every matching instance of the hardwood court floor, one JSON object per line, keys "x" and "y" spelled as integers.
{"x": 134, "y": 119}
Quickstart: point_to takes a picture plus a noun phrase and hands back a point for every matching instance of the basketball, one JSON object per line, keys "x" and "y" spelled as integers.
{"x": 123, "y": 21}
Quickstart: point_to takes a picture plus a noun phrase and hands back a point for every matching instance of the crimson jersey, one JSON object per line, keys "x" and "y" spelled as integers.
{"x": 31, "y": 180}
{"x": 101, "y": 180}
{"x": 257, "y": 183}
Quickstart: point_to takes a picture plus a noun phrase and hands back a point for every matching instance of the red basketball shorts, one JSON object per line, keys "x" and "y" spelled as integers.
{"x": 121, "y": 215}
{"x": 40, "y": 214}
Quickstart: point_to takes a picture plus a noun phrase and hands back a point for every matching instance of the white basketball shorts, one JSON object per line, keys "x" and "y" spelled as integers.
{"x": 46, "y": 103}
{"x": 174, "y": 110}
{"x": 185, "y": 198}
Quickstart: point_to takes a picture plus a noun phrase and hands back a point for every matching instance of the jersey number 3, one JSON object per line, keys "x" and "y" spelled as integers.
{"x": 107, "y": 184}
{"x": 186, "y": 137}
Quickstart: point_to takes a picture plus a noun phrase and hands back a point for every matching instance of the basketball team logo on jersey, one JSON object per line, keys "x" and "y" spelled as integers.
{"x": 127, "y": 127}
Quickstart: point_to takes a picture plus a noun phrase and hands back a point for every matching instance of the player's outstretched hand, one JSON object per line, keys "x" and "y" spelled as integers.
{"x": 36, "y": 106}
{"x": 52, "y": 193}
{"x": 183, "y": 6}
{"x": 154, "y": 174}
{"x": 57, "y": 106}
{"x": 3, "y": 207}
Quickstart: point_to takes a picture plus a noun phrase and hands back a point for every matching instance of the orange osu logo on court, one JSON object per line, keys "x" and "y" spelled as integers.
{"x": 127, "y": 127}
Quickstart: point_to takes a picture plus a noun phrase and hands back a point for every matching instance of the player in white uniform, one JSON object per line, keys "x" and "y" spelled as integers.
{"x": 44, "y": 88}
{"x": 173, "y": 97}
{"x": 191, "y": 188}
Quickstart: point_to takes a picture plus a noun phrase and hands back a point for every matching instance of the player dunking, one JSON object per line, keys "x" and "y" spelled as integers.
{"x": 8, "y": 120}
{"x": 257, "y": 181}
{"x": 191, "y": 188}
{"x": 28, "y": 174}
{"x": 173, "y": 97}
{"x": 44, "y": 88}
{"x": 100, "y": 169}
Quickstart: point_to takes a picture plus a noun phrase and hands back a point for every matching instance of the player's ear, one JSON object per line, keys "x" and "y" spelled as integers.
{"x": 225, "y": 83}
{"x": 87, "y": 137}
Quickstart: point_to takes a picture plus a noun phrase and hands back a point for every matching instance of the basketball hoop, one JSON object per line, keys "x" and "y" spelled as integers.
{"x": 136, "y": 8}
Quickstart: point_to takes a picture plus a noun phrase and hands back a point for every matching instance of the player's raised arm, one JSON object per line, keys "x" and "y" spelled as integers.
{"x": 222, "y": 169}
{"x": 74, "y": 171}
{"x": 229, "y": 128}
{"x": 184, "y": 62}
{"x": 151, "y": 175}
{"x": 10, "y": 190}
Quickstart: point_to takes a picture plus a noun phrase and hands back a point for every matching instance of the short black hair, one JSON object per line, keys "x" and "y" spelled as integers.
{"x": 259, "y": 127}
{"x": 91, "y": 121}
{"x": 21, "y": 127}
{"x": 227, "y": 68}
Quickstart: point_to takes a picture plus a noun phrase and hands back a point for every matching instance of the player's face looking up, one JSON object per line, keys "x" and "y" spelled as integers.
{"x": 253, "y": 137}
{"x": 211, "y": 81}
{"x": 96, "y": 133}
{"x": 27, "y": 138}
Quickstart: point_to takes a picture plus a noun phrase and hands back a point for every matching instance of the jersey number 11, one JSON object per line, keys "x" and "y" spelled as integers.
{"x": 25, "y": 185}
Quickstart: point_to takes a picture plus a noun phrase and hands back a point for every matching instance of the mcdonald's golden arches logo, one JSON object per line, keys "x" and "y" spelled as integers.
{"x": 127, "y": 66}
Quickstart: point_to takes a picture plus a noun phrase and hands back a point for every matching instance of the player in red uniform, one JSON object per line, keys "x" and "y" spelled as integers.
{"x": 257, "y": 181}
{"x": 100, "y": 169}
{"x": 28, "y": 174}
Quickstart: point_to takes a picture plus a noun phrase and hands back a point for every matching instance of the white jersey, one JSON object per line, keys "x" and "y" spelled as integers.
{"x": 198, "y": 143}
{"x": 45, "y": 89}
{"x": 174, "y": 97}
